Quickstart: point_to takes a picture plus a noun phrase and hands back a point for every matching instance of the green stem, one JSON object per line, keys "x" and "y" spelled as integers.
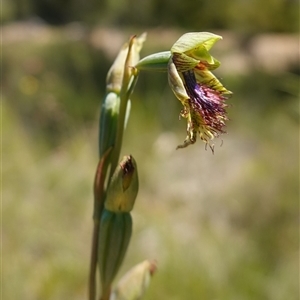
{"x": 98, "y": 207}
{"x": 93, "y": 264}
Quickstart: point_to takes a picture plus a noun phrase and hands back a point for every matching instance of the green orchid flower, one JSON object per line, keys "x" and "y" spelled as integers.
{"x": 200, "y": 92}
{"x": 189, "y": 65}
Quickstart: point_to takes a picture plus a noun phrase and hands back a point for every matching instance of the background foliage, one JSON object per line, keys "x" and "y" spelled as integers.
{"x": 222, "y": 226}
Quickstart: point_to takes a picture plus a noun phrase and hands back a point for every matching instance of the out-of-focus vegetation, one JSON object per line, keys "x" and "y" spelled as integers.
{"x": 239, "y": 15}
{"x": 222, "y": 226}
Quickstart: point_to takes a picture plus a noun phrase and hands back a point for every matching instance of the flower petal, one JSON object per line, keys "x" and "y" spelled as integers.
{"x": 184, "y": 62}
{"x": 207, "y": 110}
{"x": 193, "y": 40}
{"x": 176, "y": 83}
{"x": 208, "y": 78}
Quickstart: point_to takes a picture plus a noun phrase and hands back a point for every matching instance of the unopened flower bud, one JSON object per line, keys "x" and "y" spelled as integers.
{"x": 123, "y": 187}
{"x": 114, "y": 79}
{"x": 114, "y": 238}
{"x": 134, "y": 283}
{"x": 108, "y": 122}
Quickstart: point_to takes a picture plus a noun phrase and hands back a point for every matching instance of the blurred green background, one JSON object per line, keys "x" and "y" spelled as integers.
{"x": 222, "y": 226}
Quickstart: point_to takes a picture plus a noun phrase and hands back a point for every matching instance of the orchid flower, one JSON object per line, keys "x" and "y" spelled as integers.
{"x": 191, "y": 80}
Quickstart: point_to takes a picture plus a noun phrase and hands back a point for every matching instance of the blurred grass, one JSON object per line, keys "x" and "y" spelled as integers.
{"x": 222, "y": 226}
